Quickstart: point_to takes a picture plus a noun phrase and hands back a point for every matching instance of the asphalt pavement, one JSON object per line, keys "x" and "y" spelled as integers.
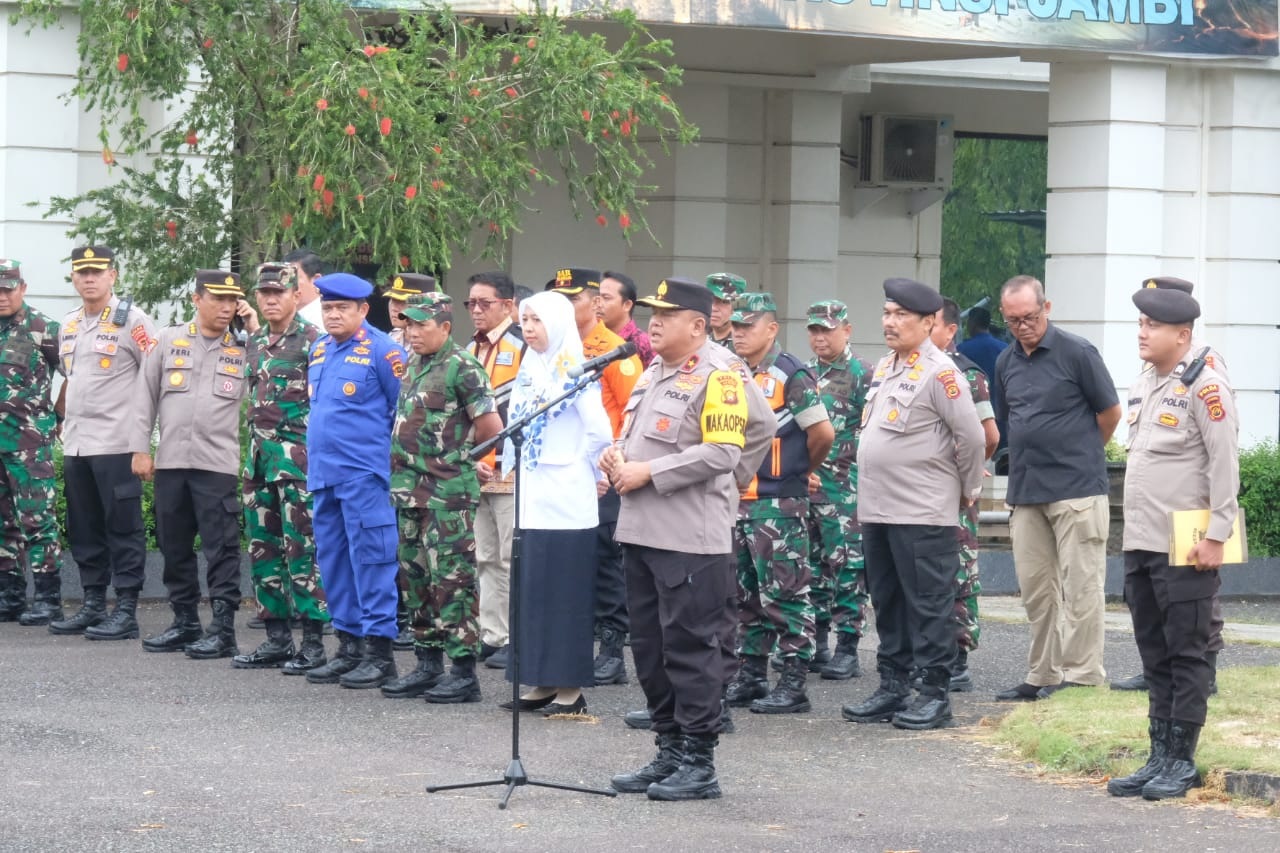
{"x": 105, "y": 747}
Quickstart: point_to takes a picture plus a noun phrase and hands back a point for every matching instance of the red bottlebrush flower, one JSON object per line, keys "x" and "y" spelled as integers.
{"x": 665, "y": 99}
{"x": 493, "y": 228}
{"x": 327, "y": 198}
{"x": 624, "y": 221}
{"x": 369, "y": 50}
{"x": 132, "y": 14}
{"x": 207, "y": 43}
{"x": 511, "y": 92}
{"x": 410, "y": 191}
{"x": 515, "y": 60}
{"x": 360, "y": 199}
{"x": 172, "y": 228}
{"x": 404, "y": 262}
{"x": 192, "y": 139}
{"x": 531, "y": 44}
{"x": 303, "y": 171}
{"x": 362, "y": 92}
{"x": 437, "y": 185}
{"x": 391, "y": 178}
{"x": 586, "y": 115}
{"x": 605, "y": 132}
{"x": 625, "y": 129}
{"x": 533, "y": 172}
{"x": 614, "y": 115}
{"x": 108, "y": 157}
{"x": 318, "y": 183}
{"x": 602, "y": 221}
{"x": 350, "y": 129}
{"x": 373, "y": 104}
{"x": 287, "y": 220}
{"x": 475, "y": 93}
{"x": 466, "y": 119}
{"x": 322, "y": 105}
{"x": 435, "y": 148}
{"x": 317, "y": 206}
{"x": 122, "y": 62}
{"x": 380, "y": 49}
{"x": 384, "y": 127}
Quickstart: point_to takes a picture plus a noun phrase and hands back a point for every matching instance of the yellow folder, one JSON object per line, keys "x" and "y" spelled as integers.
{"x": 1188, "y": 526}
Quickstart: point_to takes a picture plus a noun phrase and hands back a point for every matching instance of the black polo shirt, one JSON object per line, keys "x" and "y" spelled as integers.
{"x": 1050, "y": 400}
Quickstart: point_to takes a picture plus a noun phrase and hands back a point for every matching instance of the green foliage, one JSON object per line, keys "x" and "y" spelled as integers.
{"x": 1260, "y": 498}
{"x": 398, "y": 137}
{"x": 979, "y": 255}
{"x": 1115, "y": 451}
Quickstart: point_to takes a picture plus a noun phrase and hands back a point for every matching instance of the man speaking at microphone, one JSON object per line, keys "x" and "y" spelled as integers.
{"x": 582, "y": 288}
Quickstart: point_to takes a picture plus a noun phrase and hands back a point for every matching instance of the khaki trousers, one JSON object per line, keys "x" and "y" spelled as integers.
{"x": 1060, "y": 554}
{"x": 495, "y": 520}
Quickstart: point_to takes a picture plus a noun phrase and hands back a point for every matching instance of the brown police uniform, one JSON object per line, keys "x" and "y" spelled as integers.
{"x": 192, "y": 386}
{"x": 703, "y": 427}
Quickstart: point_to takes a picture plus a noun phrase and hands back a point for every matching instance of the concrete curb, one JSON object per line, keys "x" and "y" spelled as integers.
{"x": 1259, "y": 786}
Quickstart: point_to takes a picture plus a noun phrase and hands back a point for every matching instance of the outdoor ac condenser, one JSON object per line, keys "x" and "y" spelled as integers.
{"x": 906, "y": 152}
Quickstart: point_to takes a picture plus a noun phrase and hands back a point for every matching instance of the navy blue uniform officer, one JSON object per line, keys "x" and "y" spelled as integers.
{"x": 353, "y": 380}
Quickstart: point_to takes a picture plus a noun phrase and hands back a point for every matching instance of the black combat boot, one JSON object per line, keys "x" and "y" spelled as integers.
{"x": 961, "y": 680}
{"x": 821, "y": 651}
{"x": 844, "y": 663}
{"x": 666, "y": 762}
{"x": 350, "y": 653}
{"x": 641, "y": 719}
{"x": 220, "y": 640}
{"x": 1179, "y": 774}
{"x": 1132, "y": 785}
{"x": 426, "y": 675}
{"x": 1212, "y": 658}
{"x": 931, "y": 709}
{"x": 889, "y": 699}
{"x": 92, "y": 611}
{"x": 46, "y": 604}
{"x": 122, "y": 624}
{"x": 376, "y": 668}
{"x": 789, "y": 696}
{"x": 460, "y": 685}
{"x": 1133, "y": 682}
{"x": 13, "y": 595}
{"x": 184, "y": 629}
{"x": 751, "y": 683}
{"x": 610, "y": 668}
{"x": 695, "y": 778}
{"x": 275, "y": 652}
{"x": 311, "y": 653}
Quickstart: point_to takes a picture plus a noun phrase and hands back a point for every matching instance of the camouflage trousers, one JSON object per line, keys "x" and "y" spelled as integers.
{"x": 438, "y": 578}
{"x": 282, "y": 554}
{"x": 773, "y": 584}
{"x": 964, "y": 614}
{"x": 839, "y": 591}
{"x": 28, "y": 514}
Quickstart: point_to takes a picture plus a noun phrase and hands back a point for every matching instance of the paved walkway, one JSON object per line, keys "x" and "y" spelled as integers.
{"x": 1009, "y": 609}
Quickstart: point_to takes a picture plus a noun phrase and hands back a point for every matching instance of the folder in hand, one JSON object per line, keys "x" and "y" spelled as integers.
{"x": 1189, "y": 526}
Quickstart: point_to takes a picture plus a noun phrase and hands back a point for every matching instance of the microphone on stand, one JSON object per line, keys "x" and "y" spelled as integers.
{"x": 602, "y": 361}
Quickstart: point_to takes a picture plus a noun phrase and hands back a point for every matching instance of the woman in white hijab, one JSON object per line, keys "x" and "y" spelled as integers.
{"x": 558, "y": 515}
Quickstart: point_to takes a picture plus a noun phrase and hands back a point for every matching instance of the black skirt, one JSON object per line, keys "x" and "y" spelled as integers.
{"x": 557, "y": 608}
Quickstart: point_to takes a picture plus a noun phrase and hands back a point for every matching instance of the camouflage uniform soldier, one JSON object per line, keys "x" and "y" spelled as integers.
{"x": 277, "y": 505}
{"x": 772, "y": 535}
{"x": 725, "y": 287}
{"x": 965, "y": 612}
{"x": 445, "y": 393}
{"x": 28, "y": 359}
{"x": 839, "y": 591}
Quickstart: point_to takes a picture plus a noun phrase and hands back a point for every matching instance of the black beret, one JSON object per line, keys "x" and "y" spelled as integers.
{"x": 912, "y": 295}
{"x": 1167, "y": 306}
{"x": 1168, "y": 282}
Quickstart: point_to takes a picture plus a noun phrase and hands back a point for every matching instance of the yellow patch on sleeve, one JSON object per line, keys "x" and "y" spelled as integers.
{"x": 724, "y": 410}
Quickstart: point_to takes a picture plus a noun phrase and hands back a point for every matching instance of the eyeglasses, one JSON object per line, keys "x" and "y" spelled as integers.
{"x": 1029, "y": 320}
{"x": 482, "y": 304}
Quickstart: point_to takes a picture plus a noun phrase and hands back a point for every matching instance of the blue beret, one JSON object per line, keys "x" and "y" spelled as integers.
{"x": 912, "y": 295}
{"x": 343, "y": 285}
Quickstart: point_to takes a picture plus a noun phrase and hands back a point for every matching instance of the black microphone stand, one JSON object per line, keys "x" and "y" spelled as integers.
{"x": 515, "y": 774}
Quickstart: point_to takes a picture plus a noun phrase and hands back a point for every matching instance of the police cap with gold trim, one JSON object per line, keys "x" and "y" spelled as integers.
{"x": 219, "y": 282}
{"x": 408, "y": 284}
{"x": 91, "y": 258}
{"x": 912, "y": 295}
{"x": 680, "y": 294}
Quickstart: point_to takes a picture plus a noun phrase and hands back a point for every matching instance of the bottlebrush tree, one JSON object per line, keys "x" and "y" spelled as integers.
{"x": 392, "y": 136}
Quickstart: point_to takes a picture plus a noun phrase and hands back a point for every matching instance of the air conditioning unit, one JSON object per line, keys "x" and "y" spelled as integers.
{"x": 906, "y": 152}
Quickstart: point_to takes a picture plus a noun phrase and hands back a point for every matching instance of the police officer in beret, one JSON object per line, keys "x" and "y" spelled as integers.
{"x": 695, "y": 428}
{"x": 1183, "y": 433}
{"x": 103, "y": 345}
{"x": 28, "y": 491}
{"x": 919, "y": 462}
{"x": 354, "y": 381}
{"x": 192, "y": 385}
{"x": 725, "y": 288}
{"x": 1214, "y": 359}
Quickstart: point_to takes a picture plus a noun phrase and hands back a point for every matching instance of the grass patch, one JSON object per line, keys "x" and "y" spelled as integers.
{"x": 1100, "y": 732}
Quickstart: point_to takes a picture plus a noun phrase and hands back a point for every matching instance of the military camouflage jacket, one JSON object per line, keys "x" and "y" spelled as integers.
{"x": 278, "y": 402}
{"x": 842, "y": 385}
{"x": 441, "y": 395}
{"x": 28, "y": 360}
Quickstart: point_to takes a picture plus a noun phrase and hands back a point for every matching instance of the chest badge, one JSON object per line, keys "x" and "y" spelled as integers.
{"x": 175, "y": 378}
{"x": 349, "y": 388}
{"x": 1168, "y": 419}
{"x": 892, "y": 417}
{"x": 663, "y": 424}
{"x": 104, "y": 362}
